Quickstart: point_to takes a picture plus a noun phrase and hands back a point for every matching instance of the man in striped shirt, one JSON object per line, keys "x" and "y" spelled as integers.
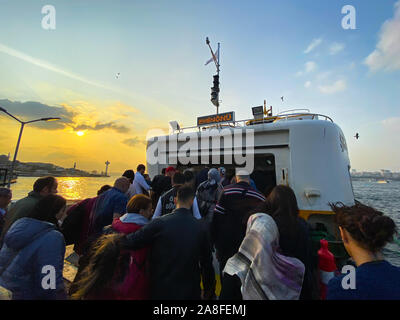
{"x": 228, "y": 228}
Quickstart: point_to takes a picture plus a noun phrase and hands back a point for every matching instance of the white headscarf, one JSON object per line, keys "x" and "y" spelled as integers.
{"x": 265, "y": 273}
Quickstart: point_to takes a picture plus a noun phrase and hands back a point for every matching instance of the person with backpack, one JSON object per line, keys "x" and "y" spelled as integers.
{"x": 208, "y": 194}
{"x": 180, "y": 252}
{"x": 75, "y": 226}
{"x": 228, "y": 226}
{"x": 127, "y": 270}
{"x": 166, "y": 203}
{"x": 32, "y": 256}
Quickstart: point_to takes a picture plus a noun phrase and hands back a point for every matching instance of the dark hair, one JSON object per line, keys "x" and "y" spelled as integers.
{"x": 104, "y": 260}
{"x": 368, "y": 226}
{"x": 189, "y": 175}
{"x": 163, "y": 170}
{"x": 129, "y": 174}
{"x": 184, "y": 194}
{"x": 140, "y": 167}
{"x": 137, "y": 202}
{"x": 178, "y": 178}
{"x": 5, "y": 192}
{"x": 281, "y": 205}
{"x": 47, "y": 208}
{"x": 44, "y": 182}
{"x": 103, "y": 189}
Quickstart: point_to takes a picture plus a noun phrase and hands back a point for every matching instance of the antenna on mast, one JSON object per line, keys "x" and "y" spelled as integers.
{"x": 215, "y": 89}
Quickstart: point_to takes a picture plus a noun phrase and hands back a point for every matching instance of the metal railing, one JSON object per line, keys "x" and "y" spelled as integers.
{"x": 249, "y": 122}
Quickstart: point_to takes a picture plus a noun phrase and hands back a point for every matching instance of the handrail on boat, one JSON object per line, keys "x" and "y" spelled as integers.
{"x": 308, "y": 110}
{"x": 270, "y": 119}
{"x": 295, "y": 115}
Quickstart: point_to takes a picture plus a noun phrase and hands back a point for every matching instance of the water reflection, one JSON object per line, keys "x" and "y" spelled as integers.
{"x": 71, "y": 188}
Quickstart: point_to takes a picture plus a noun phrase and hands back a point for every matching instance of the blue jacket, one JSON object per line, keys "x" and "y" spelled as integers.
{"x": 29, "y": 245}
{"x": 377, "y": 280}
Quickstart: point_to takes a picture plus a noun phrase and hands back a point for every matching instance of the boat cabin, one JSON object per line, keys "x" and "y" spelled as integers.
{"x": 303, "y": 150}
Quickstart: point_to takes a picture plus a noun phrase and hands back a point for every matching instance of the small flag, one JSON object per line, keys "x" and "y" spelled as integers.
{"x": 214, "y": 57}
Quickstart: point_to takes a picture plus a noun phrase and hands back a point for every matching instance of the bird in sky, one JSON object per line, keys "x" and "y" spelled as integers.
{"x": 282, "y": 98}
{"x": 117, "y": 76}
{"x": 357, "y": 136}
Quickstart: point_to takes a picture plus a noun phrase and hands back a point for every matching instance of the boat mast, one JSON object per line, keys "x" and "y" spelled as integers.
{"x": 215, "y": 88}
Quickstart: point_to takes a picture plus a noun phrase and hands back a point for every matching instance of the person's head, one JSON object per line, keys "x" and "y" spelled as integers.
{"x": 103, "y": 189}
{"x": 363, "y": 227}
{"x": 105, "y": 262}
{"x": 281, "y": 205}
{"x": 242, "y": 176}
{"x": 222, "y": 171}
{"x": 178, "y": 179}
{"x": 141, "y": 168}
{"x": 170, "y": 171}
{"x": 122, "y": 184}
{"x": 50, "y": 208}
{"x": 130, "y": 175}
{"x": 140, "y": 204}
{"x": 163, "y": 171}
{"x": 45, "y": 186}
{"x": 213, "y": 176}
{"x": 189, "y": 177}
{"x": 185, "y": 197}
{"x": 282, "y": 198}
{"x": 5, "y": 197}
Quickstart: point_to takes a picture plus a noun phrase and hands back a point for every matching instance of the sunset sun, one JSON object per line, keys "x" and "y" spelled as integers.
{"x": 80, "y": 133}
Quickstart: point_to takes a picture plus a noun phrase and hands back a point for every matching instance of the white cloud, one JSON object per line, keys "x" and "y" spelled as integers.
{"x": 315, "y": 43}
{"x": 309, "y": 66}
{"x": 392, "y": 124}
{"x": 45, "y": 65}
{"x": 323, "y": 75}
{"x": 336, "y": 48}
{"x": 386, "y": 55}
{"x": 307, "y": 84}
{"x": 337, "y": 86}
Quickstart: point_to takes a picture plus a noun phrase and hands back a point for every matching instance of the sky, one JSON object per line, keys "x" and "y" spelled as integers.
{"x": 113, "y": 70}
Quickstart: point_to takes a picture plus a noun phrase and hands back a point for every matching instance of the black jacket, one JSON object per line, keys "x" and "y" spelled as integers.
{"x": 300, "y": 247}
{"x": 180, "y": 253}
{"x": 229, "y": 223}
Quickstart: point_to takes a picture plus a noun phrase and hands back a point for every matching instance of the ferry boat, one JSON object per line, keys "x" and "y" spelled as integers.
{"x": 383, "y": 181}
{"x": 297, "y": 148}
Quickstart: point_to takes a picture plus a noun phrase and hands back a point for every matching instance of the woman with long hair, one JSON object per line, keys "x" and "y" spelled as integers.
{"x": 365, "y": 231}
{"x": 114, "y": 274}
{"x": 294, "y": 235}
{"x": 33, "y": 253}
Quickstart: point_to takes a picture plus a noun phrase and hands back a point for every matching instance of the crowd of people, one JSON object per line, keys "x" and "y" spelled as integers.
{"x": 157, "y": 239}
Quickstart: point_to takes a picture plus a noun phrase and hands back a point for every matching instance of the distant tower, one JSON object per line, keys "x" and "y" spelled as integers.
{"x": 74, "y": 165}
{"x": 107, "y": 163}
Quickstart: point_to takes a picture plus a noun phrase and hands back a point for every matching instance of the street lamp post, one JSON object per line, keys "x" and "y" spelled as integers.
{"x": 23, "y": 123}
